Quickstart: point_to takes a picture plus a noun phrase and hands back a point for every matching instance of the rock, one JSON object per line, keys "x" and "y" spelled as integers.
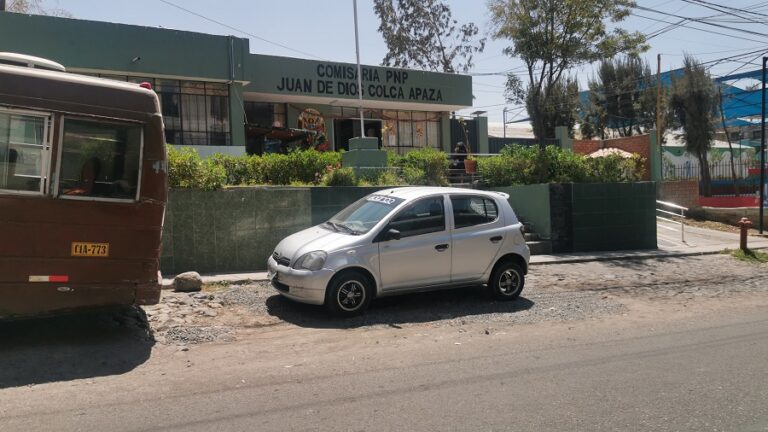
{"x": 211, "y": 313}
{"x": 188, "y": 282}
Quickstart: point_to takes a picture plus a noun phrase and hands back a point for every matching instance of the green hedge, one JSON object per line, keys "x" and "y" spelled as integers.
{"x": 515, "y": 165}
{"x": 532, "y": 165}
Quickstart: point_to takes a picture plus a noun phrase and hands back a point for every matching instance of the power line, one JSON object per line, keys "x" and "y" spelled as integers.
{"x": 702, "y": 21}
{"x": 239, "y": 30}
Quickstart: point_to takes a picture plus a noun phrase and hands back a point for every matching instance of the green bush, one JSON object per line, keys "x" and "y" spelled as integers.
{"x": 422, "y": 167}
{"x": 340, "y": 177}
{"x": 187, "y": 170}
{"x": 530, "y": 165}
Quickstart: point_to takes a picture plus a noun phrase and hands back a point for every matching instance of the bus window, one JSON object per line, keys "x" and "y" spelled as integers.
{"x": 100, "y": 159}
{"x": 22, "y": 150}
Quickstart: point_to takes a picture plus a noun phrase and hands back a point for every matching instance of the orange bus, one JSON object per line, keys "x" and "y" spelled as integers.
{"x": 83, "y": 187}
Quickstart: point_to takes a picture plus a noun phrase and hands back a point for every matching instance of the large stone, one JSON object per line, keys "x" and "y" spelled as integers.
{"x": 188, "y": 282}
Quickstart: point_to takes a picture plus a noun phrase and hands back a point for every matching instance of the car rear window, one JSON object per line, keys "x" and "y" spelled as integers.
{"x": 473, "y": 210}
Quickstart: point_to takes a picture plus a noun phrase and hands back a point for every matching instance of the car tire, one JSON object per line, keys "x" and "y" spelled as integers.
{"x": 349, "y": 294}
{"x": 507, "y": 281}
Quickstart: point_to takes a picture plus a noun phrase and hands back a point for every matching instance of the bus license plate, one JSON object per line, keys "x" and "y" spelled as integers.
{"x": 80, "y": 249}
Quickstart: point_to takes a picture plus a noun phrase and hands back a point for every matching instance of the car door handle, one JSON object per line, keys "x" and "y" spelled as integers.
{"x": 441, "y": 247}
{"x": 496, "y": 239}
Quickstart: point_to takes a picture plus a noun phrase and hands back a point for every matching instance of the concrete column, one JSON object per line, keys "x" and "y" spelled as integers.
{"x": 481, "y": 141}
{"x": 236, "y": 115}
{"x": 561, "y": 134}
{"x": 445, "y": 132}
{"x": 655, "y": 152}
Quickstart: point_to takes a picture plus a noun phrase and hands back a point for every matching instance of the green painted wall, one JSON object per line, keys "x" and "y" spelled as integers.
{"x": 531, "y": 205}
{"x": 103, "y": 46}
{"x": 614, "y": 216}
{"x": 300, "y": 77}
{"x": 237, "y": 229}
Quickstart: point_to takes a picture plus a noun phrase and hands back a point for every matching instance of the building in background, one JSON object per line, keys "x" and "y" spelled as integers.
{"x": 218, "y": 97}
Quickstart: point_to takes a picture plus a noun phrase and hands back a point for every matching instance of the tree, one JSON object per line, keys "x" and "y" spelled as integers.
{"x": 423, "y": 34}
{"x": 552, "y": 36}
{"x": 695, "y": 105}
{"x": 35, "y": 7}
{"x": 622, "y": 98}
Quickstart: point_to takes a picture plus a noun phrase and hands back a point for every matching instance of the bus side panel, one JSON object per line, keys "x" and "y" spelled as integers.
{"x": 38, "y": 243}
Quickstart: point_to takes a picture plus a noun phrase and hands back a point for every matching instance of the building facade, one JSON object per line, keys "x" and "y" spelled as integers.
{"x": 218, "y": 97}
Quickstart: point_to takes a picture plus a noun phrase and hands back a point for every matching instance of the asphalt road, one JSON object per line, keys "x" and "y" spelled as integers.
{"x": 689, "y": 371}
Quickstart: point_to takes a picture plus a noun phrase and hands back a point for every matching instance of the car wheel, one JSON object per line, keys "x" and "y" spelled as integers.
{"x": 507, "y": 281}
{"x": 349, "y": 294}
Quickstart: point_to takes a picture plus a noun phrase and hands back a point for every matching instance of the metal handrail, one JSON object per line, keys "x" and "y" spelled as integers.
{"x": 680, "y": 215}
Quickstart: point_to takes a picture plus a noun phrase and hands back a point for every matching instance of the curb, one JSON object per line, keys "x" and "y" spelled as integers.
{"x": 208, "y": 279}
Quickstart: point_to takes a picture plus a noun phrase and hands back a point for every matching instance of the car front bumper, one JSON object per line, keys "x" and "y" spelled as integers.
{"x": 303, "y": 286}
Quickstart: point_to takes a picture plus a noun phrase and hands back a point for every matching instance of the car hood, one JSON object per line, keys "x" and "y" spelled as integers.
{"x": 314, "y": 239}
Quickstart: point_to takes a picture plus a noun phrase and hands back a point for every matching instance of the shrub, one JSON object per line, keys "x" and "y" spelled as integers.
{"x": 340, "y": 177}
{"x": 529, "y": 165}
{"x": 389, "y": 177}
{"x": 424, "y": 166}
{"x": 238, "y": 169}
{"x": 187, "y": 170}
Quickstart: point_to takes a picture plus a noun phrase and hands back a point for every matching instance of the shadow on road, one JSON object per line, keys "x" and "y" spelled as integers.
{"x": 67, "y": 347}
{"x": 410, "y": 308}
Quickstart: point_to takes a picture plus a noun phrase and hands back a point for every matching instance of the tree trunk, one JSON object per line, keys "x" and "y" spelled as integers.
{"x": 706, "y": 180}
{"x": 730, "y": 147}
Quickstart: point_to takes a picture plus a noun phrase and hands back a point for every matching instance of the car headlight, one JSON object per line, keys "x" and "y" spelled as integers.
{"x": 311, "y": 261}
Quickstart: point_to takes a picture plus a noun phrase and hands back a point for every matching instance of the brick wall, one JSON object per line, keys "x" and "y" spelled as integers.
{"x": 640, "y": 144}
{"x": 680, "y": 192}
{"x": 586, "y": 146}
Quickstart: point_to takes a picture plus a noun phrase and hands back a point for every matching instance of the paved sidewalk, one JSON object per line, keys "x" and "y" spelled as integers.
{"x": 698, "y": 241}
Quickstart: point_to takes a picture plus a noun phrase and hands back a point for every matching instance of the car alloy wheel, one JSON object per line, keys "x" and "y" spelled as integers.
{"x": 509, "y": 282}
{"x": 351, "y": 295}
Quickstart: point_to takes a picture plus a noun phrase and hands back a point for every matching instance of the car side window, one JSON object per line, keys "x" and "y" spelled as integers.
{"x": 422, "y": 217}
{"x": 473, "y": 210}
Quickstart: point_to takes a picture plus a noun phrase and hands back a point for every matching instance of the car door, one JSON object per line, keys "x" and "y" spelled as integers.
{"x": 422, "y": 255}
{"x": 477, "y": 234}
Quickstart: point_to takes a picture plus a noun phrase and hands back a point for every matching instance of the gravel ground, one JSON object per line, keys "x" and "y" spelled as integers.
{"x": 562, "y": 292}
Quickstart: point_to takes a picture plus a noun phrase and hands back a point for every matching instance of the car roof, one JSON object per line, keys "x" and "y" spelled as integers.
{"x": 413, "y": 192}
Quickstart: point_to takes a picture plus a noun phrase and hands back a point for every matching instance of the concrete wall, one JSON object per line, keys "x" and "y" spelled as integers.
{"x": 531, "y": 205}
{"x": 614, "y": 216}
{"x": 236, "y": 229}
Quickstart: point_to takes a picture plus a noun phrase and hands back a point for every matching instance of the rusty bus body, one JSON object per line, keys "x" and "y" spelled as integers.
{"x": 83, "y": 188}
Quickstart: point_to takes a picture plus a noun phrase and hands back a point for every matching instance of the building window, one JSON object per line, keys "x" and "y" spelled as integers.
{"x": 100, "y": 159}
{"x": 23, "y": 151}
{"x": 406, "y": 130}
{"x": 265, "y": 114}
{"x": 194, "y": 112}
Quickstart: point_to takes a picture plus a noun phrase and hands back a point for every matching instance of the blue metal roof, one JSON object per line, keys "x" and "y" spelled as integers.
{"x": 738, "y": 103}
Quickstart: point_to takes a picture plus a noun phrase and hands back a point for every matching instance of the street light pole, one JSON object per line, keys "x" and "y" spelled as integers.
{"x": 504, "y": 119}
{"x": 762, "y": 151}
{"x": 359, "y": 74}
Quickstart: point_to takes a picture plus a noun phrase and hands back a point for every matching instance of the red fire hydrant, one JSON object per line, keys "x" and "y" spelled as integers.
{"x": 744, "y": 224}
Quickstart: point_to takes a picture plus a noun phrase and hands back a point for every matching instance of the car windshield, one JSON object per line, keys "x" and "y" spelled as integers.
{"x": 363, "y": 215}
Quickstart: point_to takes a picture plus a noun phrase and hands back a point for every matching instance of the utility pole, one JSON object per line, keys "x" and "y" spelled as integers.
{"x": 658, "y": 112}
{"x": 504, "y": 119}
{"x": 762, "y": 151}
{"x": 359, "y": 73}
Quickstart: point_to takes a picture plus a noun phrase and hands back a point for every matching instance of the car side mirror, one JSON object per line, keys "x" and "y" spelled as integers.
{"x": 392, "y": 234}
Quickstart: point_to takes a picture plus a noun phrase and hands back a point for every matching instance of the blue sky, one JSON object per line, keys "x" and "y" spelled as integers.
{"x": 324, "y": 29}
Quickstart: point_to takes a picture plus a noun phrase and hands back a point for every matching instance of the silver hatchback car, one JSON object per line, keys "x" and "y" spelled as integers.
{"x": 403, "y": 240}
